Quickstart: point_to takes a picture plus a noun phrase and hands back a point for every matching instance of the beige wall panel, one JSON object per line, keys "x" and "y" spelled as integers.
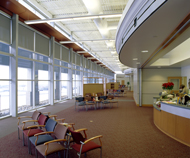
{"x": 157, "y": 117}
{"x": 164, "y": 122}
{"x": 171, "y": 123}
{"x": 183, "y": 129}
{"x": 93, "y": 88}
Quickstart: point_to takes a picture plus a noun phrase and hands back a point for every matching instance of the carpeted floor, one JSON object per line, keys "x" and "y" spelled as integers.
{"x": 128, "y": 132}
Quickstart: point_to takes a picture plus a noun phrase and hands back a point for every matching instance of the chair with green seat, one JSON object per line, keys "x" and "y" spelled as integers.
{"x": 104, "y": 101}
{"x": 54, "y": 145}
{"x": 83, "y": 145}
{"x": 49, "y": 127}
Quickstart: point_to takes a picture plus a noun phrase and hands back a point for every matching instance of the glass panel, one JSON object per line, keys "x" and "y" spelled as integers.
{"x": 41, "y": 71}
{"x": 64, "y": 74}
{"x": 78, "y": 67}
{"x": 74, "y": 88}
{"x": 4, "y": 47}
{"x": 41, "y": 93}
{"x": 78, "y": 75}
{"x": 4, "y": 67}
{"x": 25, "y": 53}
{"x": 176, "y": 83}
{"x": 57, "y": 90}
{"x": 24, "y": 69}
{"x": 24, "y": 95}
{"x": 41, "y": 57}
{"x": 64, "y": 64}
{"x": 57, "y": 62}
{"x": 4, "y": 98}
{"x": 74, "y": 76}
{"x": 78, "y": 88}
{"x": 56, "y": 73}
{"x": 64, "y": 89}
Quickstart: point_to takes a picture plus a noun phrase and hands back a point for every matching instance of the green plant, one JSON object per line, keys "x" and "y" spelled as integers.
{"x": 128, "y": 83}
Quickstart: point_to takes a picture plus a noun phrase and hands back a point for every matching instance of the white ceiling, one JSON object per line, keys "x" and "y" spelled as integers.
{"x": 87, "y": 29}
{"x": 151, "y": 35}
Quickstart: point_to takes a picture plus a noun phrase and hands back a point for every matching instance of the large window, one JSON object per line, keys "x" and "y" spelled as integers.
{"x": 41, "y": 84}
{"x": 25, "y": 95}
{"x": 4, "y": 86}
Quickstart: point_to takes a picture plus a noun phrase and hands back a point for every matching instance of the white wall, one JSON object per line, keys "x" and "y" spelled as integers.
{"x": 152, "y": 80}
{"x": 136, "y": 86}
{"x": 120, "y": 77}
{"x": 185, "y": 71}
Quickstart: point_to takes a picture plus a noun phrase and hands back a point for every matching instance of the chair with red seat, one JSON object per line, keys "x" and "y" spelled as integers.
{"x": 22, "y": 127}
{"x": 31, "y": 130}
{"x": 82, "y": 144}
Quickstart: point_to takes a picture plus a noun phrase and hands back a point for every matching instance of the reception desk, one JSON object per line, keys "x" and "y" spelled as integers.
{"x": 173, "y": 120}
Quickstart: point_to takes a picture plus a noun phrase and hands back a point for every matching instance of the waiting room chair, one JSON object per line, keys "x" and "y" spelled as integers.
{"x": 31, "y": 130}
{"x": 22, "y": 127}
{"x": 104, "y": 101}
{"x": 82, "y": 144}
{"x": 54, "y": 145}
{"x": 37, "y": 140}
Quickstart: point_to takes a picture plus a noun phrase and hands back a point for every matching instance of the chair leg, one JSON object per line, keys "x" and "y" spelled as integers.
{"x": 36, "y": 153}
{"x": 101, "y": 152}
{"x": 29, "y": 147}
{"x": 18, "y": 133}
{"x": 59, "y": 154}
{"x": 23, "y": 139}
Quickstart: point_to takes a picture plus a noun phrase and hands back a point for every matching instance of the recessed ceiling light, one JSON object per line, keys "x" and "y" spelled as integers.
{"x": 135, "y": 58}
{"x": 159, "y": 66}
{"x": 144, "y": 51}
{"x": 138, "y": 63}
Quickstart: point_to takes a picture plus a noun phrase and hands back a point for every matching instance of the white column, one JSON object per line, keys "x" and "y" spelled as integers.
{"x": 70, "y": 92}
{"x": 51, "y": 71}
{"x": 13, "y": 67}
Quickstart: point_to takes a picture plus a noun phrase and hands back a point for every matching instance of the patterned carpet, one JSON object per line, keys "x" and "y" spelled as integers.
{"x": 128, "y": 132}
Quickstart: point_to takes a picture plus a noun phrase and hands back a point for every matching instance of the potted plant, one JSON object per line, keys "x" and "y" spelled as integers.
{"x": 168, "y": 86}
{"x": 128, "y": 85}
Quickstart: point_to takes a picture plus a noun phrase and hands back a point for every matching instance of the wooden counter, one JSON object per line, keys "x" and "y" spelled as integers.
{"x": 173, "y": 120}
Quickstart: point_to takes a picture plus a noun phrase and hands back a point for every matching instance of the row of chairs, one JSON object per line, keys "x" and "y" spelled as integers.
{"x": 102, "y": 101}
{"x": 48, "y": 135}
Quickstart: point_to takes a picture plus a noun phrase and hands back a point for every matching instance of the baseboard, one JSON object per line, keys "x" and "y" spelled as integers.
{"x": 146, "y": 105}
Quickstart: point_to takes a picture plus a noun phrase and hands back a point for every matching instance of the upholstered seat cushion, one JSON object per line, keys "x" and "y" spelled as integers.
{"x": 32, "y": 132}
{"x": 41, "y": 139}
{"x": 86, "y": 147}
{"x": 81, "y": 103}
{"x": 52, "y": 147}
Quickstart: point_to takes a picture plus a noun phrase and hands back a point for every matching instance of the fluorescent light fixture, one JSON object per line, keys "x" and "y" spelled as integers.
{"x": 76, "y": 41}
{"x": 118, "y": 72}
{"x": 73, "y": 18}
{"x": 144, "y": 51}
{"x": 135, "y": 58}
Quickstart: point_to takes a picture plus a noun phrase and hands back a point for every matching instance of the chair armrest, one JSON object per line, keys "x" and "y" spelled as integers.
{"x": 100, "y": 136}
{"x": 29, "y": 121}
{"x": 62, "y": 120}
{"x": 35, "y": 126}
{"x": 55, "y": 140}
{"x": 84, "y": 131}
{"x": 21, "y": 118}
{"x": 48, "y": 113}
{"x": 42, "y": 133}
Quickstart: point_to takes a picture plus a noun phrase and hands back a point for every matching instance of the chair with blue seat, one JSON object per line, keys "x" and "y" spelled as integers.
{"x": 79, "y": 101}
{"x": 49, "y": 127}
{"x": 59, "y": 143}
{"x": 104, "y": 101}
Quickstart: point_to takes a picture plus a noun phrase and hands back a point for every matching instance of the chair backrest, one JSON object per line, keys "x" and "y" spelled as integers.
{"x": 42, "y": 119}
{"x": 88, "y": 94}
{"x": 79, "y": 99}
{"x": 35, "y": 115}
{"x": 50, "y": 124}
{"x": 60, "y": 131}
{"x": 77, "y": 136}
{"x": 103, "y": 97}
{"x": 99, "y": 94}
{"x": 89, "y": 98}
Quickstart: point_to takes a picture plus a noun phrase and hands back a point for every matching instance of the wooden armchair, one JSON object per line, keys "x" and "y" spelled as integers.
{"x": 82, "y": 144}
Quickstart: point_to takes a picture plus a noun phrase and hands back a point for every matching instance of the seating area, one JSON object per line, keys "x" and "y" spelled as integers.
{"x": 47, "y": 136}
{"x": 98, "y": 101}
